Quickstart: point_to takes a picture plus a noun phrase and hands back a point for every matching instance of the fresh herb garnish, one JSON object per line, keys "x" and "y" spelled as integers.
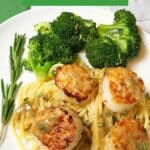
{"x": 8, "y": 95}
{"x": 25, "y": 99}
{"x": 42, "y": 126}
{"x": 108, "y": 114}
{"x": 9, "y": 90}
{"x": 15, "y": 58}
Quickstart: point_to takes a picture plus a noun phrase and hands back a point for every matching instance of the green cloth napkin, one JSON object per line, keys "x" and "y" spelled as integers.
{"x": 9, "y": 8}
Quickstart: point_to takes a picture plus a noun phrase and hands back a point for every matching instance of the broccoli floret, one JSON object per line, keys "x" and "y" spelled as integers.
{"x": 124, "y": 16}
{"x": 124, "y": 33}
{"x": 73, "y": 30}
{"x": 56, "y": 42}
{"x": 27, "y": 65}
{"x": 102, "y": 53}
{"x": 88, "y": 29}
{"x": 43, "y": 28}
{"x": 44, "y": 51}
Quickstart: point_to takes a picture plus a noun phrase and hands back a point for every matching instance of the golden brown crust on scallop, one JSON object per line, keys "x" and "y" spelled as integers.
{"x": 125, "y": 86}
{"x": 75, "y": 81}
{"x": 126, "y": 134}
{"x": 55, "y": 128}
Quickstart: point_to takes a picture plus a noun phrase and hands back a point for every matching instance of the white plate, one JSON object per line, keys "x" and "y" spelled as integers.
{"x": 24, "y": 22}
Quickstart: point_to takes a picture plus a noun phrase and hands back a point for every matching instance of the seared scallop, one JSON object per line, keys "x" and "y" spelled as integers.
{"x": 57, "y": 128}
{"x": 75, "y": 81}
{"x": 127, "y": 134}
{"x": 121, "y": 89}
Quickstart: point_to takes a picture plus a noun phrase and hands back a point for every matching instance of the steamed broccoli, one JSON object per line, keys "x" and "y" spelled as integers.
{"x": 57, "y": 41}
{"x": 102, "y": 53}
{"x": 124, "y": 16}
{"x": 123, "y": 42}
{"x": 43, "y": 28}
{"x": 73, "y": 30}
{"x": 44, "y": 51}
{"x": 123, "y": 32}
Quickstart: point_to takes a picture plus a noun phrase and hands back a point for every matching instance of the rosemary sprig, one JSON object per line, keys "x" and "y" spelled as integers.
{"x": 15, "y": 57}
{"x": 8, "y": 95}
{"x": 9, "y": 91}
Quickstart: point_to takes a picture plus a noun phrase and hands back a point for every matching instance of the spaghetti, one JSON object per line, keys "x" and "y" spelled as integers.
{"x": 96, "y": 117}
